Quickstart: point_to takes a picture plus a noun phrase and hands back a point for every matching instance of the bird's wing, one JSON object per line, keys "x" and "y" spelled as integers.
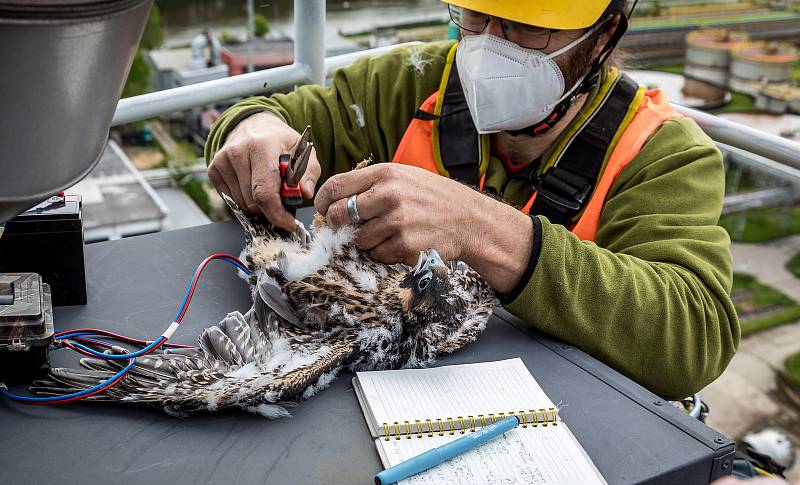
{"x": 269, "y": 297}
{"x": 241, "y": 363}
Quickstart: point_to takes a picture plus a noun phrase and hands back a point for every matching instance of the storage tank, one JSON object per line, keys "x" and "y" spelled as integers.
{"x": 761, "y": 63}
{"x": 708, "y": 54}
{"x": 779, "y": 98}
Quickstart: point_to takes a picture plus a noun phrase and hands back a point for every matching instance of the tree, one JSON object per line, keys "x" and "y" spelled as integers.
{"x": 138, "y": 78}
{"x": 260, "y": 25}
{"x": 153, "y": 36}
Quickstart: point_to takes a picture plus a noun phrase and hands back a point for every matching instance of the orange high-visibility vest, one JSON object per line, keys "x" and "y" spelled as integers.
{"x": 419, "y": 146}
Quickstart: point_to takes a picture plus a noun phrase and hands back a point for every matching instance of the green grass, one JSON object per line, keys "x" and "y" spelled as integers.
{"x": 791, "y": 370}
{"x": 184, "y": 153}
{"x": 739, "y": 102}
{"x": 762, "y": 224}
{"x": 796, "y": 73}
{"x": 794, "y": 265}
{"x": 751, "y": 295}
{"x": 195, "y": 189}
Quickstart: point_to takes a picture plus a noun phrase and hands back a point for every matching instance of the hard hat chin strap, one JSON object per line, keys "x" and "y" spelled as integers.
{"x": 588, "y": 83}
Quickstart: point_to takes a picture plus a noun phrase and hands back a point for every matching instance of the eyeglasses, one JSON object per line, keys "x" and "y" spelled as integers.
{"x": 527, "y": 36}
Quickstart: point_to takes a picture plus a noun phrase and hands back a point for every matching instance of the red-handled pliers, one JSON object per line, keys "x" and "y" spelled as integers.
{"x": 292, "y": 168}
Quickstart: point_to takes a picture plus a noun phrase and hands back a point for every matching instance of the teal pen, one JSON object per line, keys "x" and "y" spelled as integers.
{"x": 434, "y": 457}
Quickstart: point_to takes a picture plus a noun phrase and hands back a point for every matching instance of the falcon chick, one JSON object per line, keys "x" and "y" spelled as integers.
{"x": 320, "y": 305}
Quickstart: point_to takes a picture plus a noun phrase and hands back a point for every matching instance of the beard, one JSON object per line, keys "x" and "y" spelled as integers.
{"x": 575, "y": 63}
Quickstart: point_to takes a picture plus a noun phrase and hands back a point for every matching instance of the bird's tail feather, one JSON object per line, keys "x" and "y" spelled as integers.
{"x": 175, "y": 377}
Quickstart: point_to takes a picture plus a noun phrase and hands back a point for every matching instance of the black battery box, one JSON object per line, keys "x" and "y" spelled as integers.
{"x": 26, "y": 326}
{"x": 48, "y": 240}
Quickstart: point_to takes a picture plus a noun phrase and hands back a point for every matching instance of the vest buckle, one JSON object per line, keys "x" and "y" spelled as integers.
{"x": 574, "y": 204}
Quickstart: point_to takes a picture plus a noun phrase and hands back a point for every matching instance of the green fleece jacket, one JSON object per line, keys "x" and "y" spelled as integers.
{"x": 650, "y": 297}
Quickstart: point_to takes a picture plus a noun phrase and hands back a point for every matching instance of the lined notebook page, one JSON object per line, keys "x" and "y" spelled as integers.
{"x": 450, "y": 391}
{"x": 544, "y": 455}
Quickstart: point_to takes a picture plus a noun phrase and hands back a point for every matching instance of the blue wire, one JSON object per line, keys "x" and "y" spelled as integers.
{"x": 138, "y": 353}
{"x": 196, "y": 275}
{"x": 78, "y": 334}
{"x": 71, "y": 335}
{"x": 98, "y": 342}
{"x": 147, "y": 349}
{"x": 132, "y": 356}
{"x": 16, "y": 397}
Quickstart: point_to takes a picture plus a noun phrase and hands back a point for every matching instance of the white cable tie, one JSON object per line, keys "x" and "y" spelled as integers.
{"x": 168, "y": 333}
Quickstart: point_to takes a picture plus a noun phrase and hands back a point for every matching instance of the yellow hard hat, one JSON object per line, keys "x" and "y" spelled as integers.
{"x": 551, "y": 14}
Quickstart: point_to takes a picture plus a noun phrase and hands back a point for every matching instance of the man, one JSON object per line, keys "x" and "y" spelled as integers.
{"x": 596, "y": 216}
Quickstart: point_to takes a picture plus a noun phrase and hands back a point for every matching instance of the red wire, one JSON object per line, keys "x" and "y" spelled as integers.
{"x": 196, "y": 278}
{"x": 78, "y": 349}
{"x": 96, "y": 391}
{"x": 78, "y": 398}
{"x": 93, "y": 342}
{"x": 116, "y": 336}
{"x": 107, "y": 333}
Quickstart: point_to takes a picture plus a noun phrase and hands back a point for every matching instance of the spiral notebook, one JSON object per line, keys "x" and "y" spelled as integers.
{"x": 410, "y": 411}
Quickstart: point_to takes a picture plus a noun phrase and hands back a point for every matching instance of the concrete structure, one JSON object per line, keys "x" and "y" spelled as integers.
{"x": 761, "y": 69}
{"x": 277, "y": 51}
{"x": 181, "y": 67}
{"x": 200, "y": 43}
{"x": 780, "y": 98}
{"x": 117, "y": 201}
{"x": 267, "y": 53}
{"x": 665, "y": 41}
{"x": 681, "y": 90}
{"x": 708, "y": 54}
{"x": 183, "y": 212}
{"x": 761, "y": 63}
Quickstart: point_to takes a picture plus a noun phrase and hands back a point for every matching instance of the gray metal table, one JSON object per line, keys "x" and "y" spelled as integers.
{"x": 135, "y": 286}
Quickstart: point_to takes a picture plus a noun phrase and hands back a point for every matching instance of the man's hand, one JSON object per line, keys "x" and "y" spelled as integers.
{"x": 408, "y": 209}
{"x": 246, "y": 167}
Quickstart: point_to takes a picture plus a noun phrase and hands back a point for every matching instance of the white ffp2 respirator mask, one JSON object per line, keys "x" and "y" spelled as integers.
{"x": 509, "y": 87}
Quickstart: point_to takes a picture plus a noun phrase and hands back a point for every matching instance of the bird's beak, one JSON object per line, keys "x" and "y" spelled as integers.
{"x": 427, "y": 261}
{"x": 420, "y": 262}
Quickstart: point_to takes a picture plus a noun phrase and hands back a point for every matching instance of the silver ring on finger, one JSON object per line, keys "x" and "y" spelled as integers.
{"x": 352, "y": 209}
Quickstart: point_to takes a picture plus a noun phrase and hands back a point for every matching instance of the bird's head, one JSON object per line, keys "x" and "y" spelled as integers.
{"x": 440, "y": 298}
{"x": 424, "y": 285}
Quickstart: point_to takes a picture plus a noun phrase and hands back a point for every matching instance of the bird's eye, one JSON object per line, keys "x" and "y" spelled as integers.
{"x": 424, "y": 282}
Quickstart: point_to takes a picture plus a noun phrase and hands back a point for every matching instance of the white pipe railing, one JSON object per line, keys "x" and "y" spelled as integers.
{"x": 745, "y": 138}
{"x": 159, "y": 103}
{"x": 309, "y": 38}
{"x": 744, "y": 158}
{"x": 310, "y": 66}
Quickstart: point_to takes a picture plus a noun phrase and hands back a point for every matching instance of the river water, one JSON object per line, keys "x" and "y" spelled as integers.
{"x": 183, "y": 19}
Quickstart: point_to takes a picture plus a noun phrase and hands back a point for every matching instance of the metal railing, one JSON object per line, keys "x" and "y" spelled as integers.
{"x": 310, "y": 66}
